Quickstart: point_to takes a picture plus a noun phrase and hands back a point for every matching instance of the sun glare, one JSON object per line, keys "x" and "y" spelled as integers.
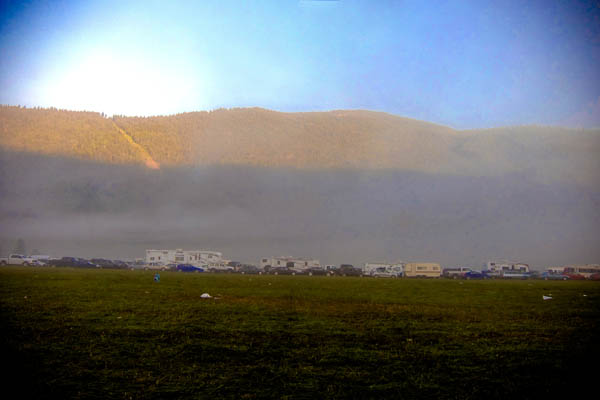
{"x": 106, "y": 83}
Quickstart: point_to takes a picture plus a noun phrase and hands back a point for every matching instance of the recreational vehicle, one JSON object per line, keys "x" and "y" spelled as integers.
{"x": 581, "y": 271}
{"x": 422, "y": 270}
{"x": 506, "y": 269}
{"x": 197, "y": 258}
{"x": 294, "y": 264}
{"x": 384, "y": 270}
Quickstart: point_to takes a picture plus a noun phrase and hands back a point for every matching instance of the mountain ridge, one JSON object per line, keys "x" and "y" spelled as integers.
{"x": 360, "y": 139}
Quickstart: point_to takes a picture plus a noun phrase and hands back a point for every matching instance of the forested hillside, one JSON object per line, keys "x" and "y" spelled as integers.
{"x": 84, "y": 135}
{"x": 313, "y": 140}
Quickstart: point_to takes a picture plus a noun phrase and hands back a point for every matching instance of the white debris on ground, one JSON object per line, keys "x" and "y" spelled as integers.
{"x": 205, "y": 296}
{"x": 547, "y": 297}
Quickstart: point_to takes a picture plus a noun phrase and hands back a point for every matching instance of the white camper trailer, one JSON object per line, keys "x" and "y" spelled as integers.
{"x": 507, "y": 269}
{"x": 197, "y": 258}
{"x": 384, "y": 270}
{"x": 295, "y": 264}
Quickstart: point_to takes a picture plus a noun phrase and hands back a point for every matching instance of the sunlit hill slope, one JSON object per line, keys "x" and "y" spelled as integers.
{"x": 312, "y": 140}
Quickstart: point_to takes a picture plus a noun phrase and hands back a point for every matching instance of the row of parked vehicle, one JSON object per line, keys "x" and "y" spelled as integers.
{"x": 41, "y": 260}
{"x": 330, "y": 270}
{"x": 467, "y": 273}
{"x": 230, "y": 267}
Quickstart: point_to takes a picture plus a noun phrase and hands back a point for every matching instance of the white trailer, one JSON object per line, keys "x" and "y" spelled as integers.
{"x": 198, "y": 258}
{"x": 384, "y": 270}
{"x": 296, "y": 264}
{"x": 501, "y": 268}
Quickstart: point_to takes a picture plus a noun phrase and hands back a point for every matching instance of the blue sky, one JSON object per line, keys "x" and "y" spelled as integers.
{"x": 466, "y": 64}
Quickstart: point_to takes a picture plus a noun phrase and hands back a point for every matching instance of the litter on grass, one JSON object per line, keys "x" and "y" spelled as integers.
{"x": 547, "y": 297}
{"x": 205, "y": 296}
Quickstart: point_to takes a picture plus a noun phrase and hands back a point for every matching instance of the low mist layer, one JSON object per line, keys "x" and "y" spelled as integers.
{"x": 71, "y": 207}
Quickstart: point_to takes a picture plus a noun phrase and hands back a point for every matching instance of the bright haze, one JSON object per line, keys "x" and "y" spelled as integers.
{"x": 466, "y": 64}
{"x": 349, "y": 131}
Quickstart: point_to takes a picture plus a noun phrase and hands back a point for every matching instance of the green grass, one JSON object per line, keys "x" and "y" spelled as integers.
{"x": 118, "y": 334}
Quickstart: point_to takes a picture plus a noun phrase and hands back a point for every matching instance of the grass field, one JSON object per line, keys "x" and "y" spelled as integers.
{"x": 103, "y": 334}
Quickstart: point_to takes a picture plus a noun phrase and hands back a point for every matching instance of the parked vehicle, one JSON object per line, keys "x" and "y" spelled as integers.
{"x": 189, "y": 268}
{"x": 348, "y": 270}
{"x": 581, "y": 271}
{"x": 248, "y": 269}
{"x": 156, "y": 266}
{"x": 72, "y": 262}
{"x": 39, "y": 260}
{"x": 514, "y": 275}
{"x": 216, "y": 268}
{"x": 111, "y": 264}
{"x": 315, "y": 271}
{"x": 595, "y": 277}
{"x": 16, "y": 259}
{"x": 491, "y": 274}
{"x": 385, "y": 272}
{"x": 454, "y": 273}
{"x": 547, "y": 276}
{"x": 575, "y": 276}
{"x": 281, "y": 271}
{"x": 474, "y": 275}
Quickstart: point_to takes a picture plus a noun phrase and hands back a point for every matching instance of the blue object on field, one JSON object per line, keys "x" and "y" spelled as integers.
{"x": 156, "y": 278}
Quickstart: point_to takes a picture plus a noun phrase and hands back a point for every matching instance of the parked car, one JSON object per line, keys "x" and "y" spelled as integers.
{"x": 248, "y": 269}
{"x": 16, "y": 259}
{"x": 474, "y": 275}
{"x": 595, "y": 277}
{"x": 315, "y": 271}
{"x": 111, "y": 264}
{"x": 515, "y": 275}
{"x": 39, "y": 260}
{"x": 553, "y": 276}
{"x": 219, "y": 268}
{"x": 348, "y": 270}
{"x": 491, "y": 274}
{"x": 156, "y": 266}
{"x": 72, "y": 262}
{"x": 189, "y": 268}
{"x": 282, "y": 271}
{"x": 455, "y": 273}
{"x": 575, "y": 276}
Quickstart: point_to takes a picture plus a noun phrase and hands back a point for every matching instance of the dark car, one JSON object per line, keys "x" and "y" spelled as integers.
{"x": 72, "y": 262}
{"x": 315, "y": 271}
{"x": 474, "y": 275}
{"x": 248, "y": 269}
{"x": 348, "y": 270}
{"x": 281, "y": 271}
{"x": 112, "y": 264}
{"x": 189, "y": 268}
